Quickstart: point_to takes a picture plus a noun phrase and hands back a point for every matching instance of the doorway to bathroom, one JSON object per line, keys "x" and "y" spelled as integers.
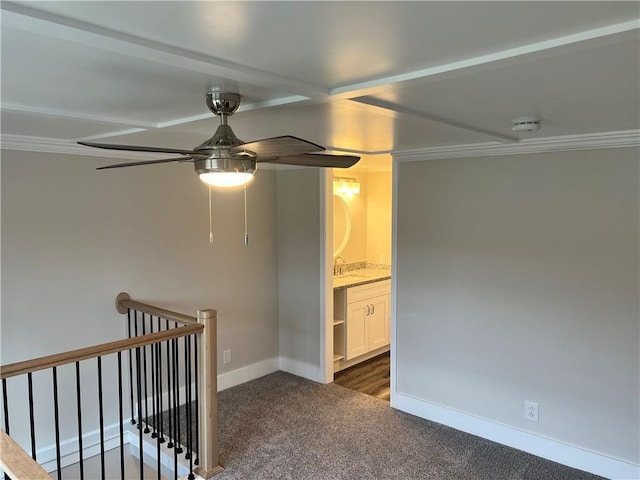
{"x": 358, "y": 298}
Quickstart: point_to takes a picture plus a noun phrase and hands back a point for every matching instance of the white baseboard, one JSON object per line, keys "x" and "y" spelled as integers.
{"x": 69, "y": 453}
{"x": 245, "y": 374}
{"x": 265, "y": 367}
{"x": 150, "y": 456}
{"x": 301, "y": 369}
{"x": 225, "y": 380}
{"x": 563, "y": 453}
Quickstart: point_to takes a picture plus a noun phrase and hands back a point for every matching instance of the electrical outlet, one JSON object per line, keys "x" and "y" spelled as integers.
{"x": 531, "y": 411}
{"x": 226, "y": 356}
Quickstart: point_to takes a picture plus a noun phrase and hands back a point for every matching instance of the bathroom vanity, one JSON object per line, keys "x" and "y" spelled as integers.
{"x": 362, "y": 311}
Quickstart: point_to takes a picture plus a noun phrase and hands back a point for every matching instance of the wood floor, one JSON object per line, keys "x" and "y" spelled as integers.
{"x": 371, "y": 377}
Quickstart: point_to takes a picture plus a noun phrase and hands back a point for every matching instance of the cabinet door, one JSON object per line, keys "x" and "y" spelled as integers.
{"x": 379, "y": 322}
{"x": 357, "y": 329}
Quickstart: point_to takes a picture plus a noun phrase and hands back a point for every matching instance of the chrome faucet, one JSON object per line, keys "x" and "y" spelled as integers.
{"x": 337, "y": 269}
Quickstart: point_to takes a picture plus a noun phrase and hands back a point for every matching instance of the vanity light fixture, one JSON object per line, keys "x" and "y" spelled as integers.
{"x": 346, "y": 186}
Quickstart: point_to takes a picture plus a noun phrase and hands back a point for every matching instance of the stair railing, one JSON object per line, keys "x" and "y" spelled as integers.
{"x": 155, "y": 361}
{"x": 17, "y": 463}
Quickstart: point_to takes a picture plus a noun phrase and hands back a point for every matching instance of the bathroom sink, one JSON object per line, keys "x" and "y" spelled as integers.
{"x": 353, "y": 275}
{"x": 359, "y": 276}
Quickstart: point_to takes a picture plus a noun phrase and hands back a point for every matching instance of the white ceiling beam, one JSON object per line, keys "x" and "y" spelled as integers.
{"x": 54, "y": 113}
{"x": 364, "y": 92}
{"x": 23, "y": 17}
{"x": 137, "y": 126}
{"x": 351, "y": 151}
{"x": 383, "y": 104}
{"x": 245, "y": 107}
{"x": 31, "y": 20}
{"x": 611, "y": 34}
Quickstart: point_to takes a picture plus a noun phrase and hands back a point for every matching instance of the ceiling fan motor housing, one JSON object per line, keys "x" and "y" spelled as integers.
{"x": 225, "y": 163}
{"x": 223, "y": 138}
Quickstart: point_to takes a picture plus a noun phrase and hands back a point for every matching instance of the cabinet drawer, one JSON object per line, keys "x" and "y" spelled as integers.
{"x": 363, "y": 292}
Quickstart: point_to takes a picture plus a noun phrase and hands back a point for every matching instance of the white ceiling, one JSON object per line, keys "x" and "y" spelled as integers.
{"x": 364, "y": 77}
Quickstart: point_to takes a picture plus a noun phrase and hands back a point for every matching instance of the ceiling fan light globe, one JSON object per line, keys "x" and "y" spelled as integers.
{"x": 226, "y": 179}
{"x": 225, "y": 172}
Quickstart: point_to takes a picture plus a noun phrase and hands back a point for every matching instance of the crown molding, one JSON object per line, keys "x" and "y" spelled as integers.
{"x": 589, "y": 141}
{"x": 625, "y": 138}
{"x": 27, "y": 143}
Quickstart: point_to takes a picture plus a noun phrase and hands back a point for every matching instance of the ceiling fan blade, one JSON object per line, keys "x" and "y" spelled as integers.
{"x": 315, "y": 160}
{"x": 277, "y": 147}
{"x": 146, "y": 162}
{"x": 138, "y": 148}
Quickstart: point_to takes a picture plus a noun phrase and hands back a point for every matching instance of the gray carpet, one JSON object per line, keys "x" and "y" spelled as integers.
{"x": 285, "y": 427}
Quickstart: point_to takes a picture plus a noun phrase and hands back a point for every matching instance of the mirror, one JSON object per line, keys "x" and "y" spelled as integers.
{"x": 341, "y": 224}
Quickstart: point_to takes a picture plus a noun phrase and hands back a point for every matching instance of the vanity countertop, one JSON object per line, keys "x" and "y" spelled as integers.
{"x": 361, "y": 276}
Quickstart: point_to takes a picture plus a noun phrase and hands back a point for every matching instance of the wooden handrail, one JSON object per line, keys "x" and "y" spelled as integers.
{"x": 123, "y": 302}
{"x": 42, "y": 363}
{"x": 16, "y": 463}
{"x": 205, "y": 324}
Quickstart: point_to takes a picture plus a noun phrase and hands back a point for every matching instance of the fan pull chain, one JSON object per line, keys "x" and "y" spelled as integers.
{"x": 246, "y": 234}
{"x": 210, "y": 218}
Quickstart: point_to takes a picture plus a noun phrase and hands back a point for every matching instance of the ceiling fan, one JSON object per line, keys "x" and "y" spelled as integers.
{"x": 226, "y": 161}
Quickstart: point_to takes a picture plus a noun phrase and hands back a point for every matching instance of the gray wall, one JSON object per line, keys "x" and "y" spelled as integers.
{"x": 72, "y": 238}
{"x": 299, "y": 265}
{"x": 517, "y": 279}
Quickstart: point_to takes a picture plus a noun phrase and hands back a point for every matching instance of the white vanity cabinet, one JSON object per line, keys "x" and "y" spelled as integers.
{"x": 365, "y": 311}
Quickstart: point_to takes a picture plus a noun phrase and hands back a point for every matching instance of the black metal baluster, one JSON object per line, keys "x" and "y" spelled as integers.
{"x": 5, "y": 405}
{"x": 101, "y": 414}
{"x": 146, "y": 394}
{"x": 138, "y": 366}
{"x": 130, "y": 366}
{"x": 56, "y": 421}
{"x": 154, "y": 413}
{"x": 187, "y": 394}
{"x": 32, "y": 424}
{"x": 139, "y": 395}
{"x": 176, "y": 408}
{"x": 177, "y": 390}
{"x": 160, "y": 392}
{"x": 170, "y": 397}
{"x": 79, "y": 409}
{"x": 121, "y": 415}
{"x": 156, "y": 407}
{"x": 197, "y": 401}
{"x": 187, "y": 368}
